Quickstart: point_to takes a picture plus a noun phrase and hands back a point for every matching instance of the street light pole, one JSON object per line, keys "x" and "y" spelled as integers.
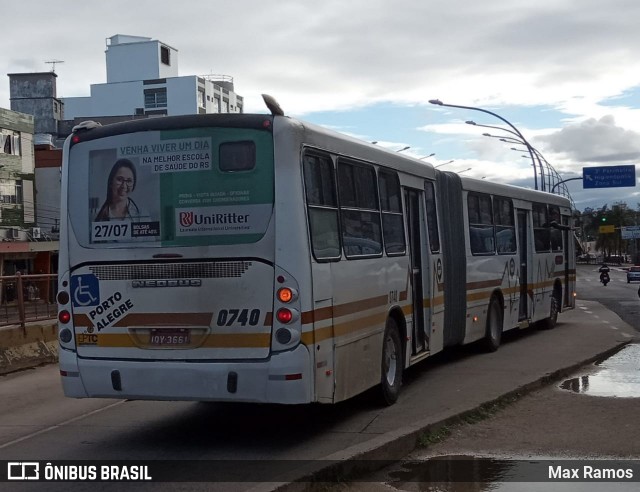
{"x": 551, "y": 179}
{"x": 438, "y": 102}
{"x": 537, "y": 154}
{"x": 516, "y": 140}
{"x": 520, "y": 141}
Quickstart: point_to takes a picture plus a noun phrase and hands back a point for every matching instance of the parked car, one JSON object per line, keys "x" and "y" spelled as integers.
{"x": 633, "y": 274}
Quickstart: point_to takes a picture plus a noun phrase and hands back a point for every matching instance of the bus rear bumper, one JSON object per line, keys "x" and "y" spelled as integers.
{"x": 283, "y": 378}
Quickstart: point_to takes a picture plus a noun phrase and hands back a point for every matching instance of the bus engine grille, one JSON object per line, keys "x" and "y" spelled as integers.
{"x": 213, "y": 269}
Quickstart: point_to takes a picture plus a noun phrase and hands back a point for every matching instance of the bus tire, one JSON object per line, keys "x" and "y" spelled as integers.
{"x": 493, "y": 333}
{"x": 392, "y": 366}
{"x": 552, "y": 320}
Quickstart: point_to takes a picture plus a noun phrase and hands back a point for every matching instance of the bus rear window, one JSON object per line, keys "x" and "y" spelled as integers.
{"x": 237, "y": 156}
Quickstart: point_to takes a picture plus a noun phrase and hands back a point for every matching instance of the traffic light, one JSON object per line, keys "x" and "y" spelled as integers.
{"x": 604, "y": 219}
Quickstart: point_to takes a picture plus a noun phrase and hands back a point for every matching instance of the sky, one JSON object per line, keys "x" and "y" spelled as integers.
{"x": 564, "y": 73}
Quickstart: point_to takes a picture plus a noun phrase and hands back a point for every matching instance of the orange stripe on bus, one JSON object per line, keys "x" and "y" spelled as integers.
{"x": 350, "y": 327}
{"x": 151, "y": 319}
{"x": 238, "y": 340}
{"x": 82, "y": 320}
{"x": 165, "y": 319}
{"x": 345, "y": 328}
{"x": 214, "y": 340}
{"x": 429, "y": 303}
{"x": 354, "y": 307}
{"x": 357, "y": 306}
{"x": 484, "y": 284}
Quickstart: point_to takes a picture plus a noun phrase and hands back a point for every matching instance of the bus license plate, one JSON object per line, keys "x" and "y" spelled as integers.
{"x": 170, "y": 337}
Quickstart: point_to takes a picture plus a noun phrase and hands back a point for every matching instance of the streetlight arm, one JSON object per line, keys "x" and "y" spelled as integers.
{"x": 438, "y": 102}
{"x": 551, "y": 173}
{"x": 563, "y": 181}
{"x": 491, "y": 126}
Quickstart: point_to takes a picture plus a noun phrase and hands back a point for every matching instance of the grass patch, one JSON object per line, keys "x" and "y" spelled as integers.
{"x": 434, "y": 437}
{"x": 481, "y": 413}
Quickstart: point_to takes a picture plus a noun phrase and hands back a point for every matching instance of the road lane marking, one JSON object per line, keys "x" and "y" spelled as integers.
{"x": 56, "y": 426}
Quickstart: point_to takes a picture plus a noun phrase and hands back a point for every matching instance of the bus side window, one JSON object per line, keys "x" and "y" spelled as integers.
{"x": 556, "y": 234}
{"x": 481, "y": 234}
{"x": 392, "y": 218}
{"x": 322, "y": 209}
{"x": 541, "y": 229}
{"x": 505, "y": 225}
{"x": 359, "y": 210}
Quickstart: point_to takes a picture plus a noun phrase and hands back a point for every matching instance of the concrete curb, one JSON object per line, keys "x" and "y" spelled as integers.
{"x": 32, "y": 346}
{"x": 386, "y": 449}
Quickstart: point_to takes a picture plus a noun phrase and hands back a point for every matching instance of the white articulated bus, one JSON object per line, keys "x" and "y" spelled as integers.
{"x": 258, "y": 258}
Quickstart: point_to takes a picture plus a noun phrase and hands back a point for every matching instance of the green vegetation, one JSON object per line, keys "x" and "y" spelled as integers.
{"x": 483, "y": 412}
{"x": 588, "y": 223}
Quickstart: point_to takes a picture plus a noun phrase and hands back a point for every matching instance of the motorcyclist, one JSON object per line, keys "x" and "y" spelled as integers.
{"x": 604, "y": 273}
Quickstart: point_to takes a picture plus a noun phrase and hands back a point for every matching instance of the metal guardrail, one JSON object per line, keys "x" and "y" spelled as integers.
{"x": 26, "y": 298}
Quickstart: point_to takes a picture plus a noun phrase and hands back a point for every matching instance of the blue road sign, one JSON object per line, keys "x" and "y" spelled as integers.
{"x": 608, "y": 176}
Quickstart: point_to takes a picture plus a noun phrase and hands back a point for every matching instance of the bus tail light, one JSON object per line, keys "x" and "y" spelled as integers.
{"x": 64, "y": 316}
{"x": 65, "y": 335}
{"x": 287, "y": 336}
{"x": 286, "y": 295}
{"x": 284, "y": 315}
{"x": 63, "y": 297}
{"x": 283, "y": 335}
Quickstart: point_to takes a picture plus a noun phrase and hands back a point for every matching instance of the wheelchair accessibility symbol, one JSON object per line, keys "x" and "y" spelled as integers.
{"x": 85, "y": 290}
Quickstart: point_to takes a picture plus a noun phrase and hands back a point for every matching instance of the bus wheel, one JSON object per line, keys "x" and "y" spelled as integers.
{"x": 552, "y": 320}
{"x": 391, "y": 363}
{"x": 493, "y": 334}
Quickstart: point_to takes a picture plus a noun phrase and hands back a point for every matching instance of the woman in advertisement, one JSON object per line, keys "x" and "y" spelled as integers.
{"x": 118, "y": 204}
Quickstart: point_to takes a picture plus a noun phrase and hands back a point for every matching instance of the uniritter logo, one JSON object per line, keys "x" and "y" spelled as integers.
{"x": 186, "y": 219}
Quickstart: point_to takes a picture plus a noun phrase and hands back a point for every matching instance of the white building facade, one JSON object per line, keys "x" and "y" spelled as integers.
{"x": 142, "y": 79}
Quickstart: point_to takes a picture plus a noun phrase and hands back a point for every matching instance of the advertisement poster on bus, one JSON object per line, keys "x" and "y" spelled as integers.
{"x": 179, "y": 188}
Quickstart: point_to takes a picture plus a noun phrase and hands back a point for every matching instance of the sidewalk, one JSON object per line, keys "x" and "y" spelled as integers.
{"x": 32, "y": 346}
{"x": 442, "y": 391}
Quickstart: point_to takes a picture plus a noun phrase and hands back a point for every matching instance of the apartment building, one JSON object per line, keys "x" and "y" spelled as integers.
{"x": 143, "y": 80}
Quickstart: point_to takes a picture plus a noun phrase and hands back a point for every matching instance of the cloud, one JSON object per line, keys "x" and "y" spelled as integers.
{"x": 576, "y": 57}
{"x": 595, "y": 140}
{"x": 347, "y": 54}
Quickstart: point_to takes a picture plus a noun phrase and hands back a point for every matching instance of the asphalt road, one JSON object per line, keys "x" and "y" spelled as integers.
{"x": 618, "y": 296}
{"x": 38, "y": 423}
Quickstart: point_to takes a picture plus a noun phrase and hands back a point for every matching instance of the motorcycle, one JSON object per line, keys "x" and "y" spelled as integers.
{"x": 604, "y": 278}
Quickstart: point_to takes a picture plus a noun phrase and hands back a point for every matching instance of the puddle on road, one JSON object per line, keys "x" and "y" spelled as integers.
{"x": 461, "y": 473}
{"x": 616, "y": 376}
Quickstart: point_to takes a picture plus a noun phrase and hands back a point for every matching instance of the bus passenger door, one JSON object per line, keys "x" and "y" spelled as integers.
{"x": 523, "y": 248}
{"x": 323, "y": 343}
{"x": 417, "y": 237}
